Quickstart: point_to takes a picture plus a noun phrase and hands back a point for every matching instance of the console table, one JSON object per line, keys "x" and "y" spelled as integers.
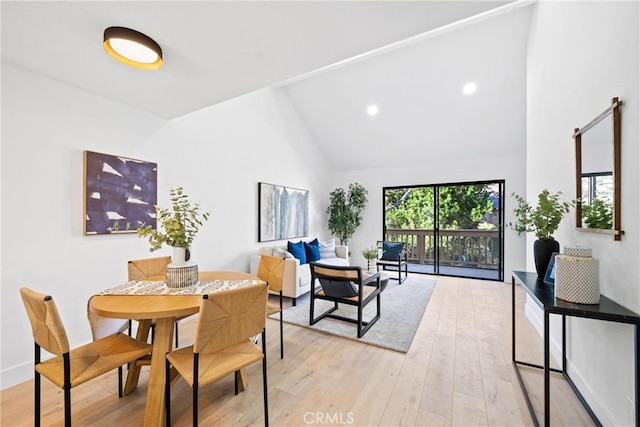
{"x": 543, "y": 295}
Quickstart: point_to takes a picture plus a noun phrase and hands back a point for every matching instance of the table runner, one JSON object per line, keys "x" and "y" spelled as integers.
{"x": 141, "y": 287}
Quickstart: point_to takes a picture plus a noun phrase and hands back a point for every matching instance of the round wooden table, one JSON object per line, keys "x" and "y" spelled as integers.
{"x": 165, "y": 309}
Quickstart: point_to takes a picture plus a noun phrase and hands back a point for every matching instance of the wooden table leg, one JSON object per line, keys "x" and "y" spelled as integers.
{"x": 134, "y": 369}
{"x": 154, "y": 411}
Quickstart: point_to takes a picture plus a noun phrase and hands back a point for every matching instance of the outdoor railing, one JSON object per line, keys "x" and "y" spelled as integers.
{"x": 467, "y": 248}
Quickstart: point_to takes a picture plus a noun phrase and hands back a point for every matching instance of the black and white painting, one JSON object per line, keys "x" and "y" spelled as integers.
{"x": 120, "y": 193}
{"x": 283, "y": 212}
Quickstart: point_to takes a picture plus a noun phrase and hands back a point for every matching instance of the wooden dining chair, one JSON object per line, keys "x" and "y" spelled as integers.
{"x": 68, "y": 367}
{"x": 151, "y": 269}
{"x": 227, "y": 322}
{"x": 271, "y": 270}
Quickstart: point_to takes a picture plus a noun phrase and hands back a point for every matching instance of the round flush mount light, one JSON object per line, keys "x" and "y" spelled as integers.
{"x": 469, "y": 88}
{"x": 132, "y": 48}
{"x": 373, "y": 110}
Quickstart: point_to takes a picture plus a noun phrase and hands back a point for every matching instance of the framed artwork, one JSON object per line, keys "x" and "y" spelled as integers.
{"x": 120, "y": 194}
{"x": 283, "y": 212}
{"x": 550, "y": 276}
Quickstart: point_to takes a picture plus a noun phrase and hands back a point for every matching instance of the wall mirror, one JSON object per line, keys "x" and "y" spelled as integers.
{"x": 598, "y": 173}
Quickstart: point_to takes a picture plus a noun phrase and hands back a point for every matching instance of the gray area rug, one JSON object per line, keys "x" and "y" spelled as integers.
{"x": 402, "y": 309}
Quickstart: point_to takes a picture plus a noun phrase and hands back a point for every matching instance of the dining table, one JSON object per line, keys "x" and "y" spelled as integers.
{"x": 134, "y": 301}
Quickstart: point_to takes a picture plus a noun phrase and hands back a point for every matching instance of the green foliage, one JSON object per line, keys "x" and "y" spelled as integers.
{"x": 544, "y": 219}
{"x": 370, "y": 253}
{"x": 461, "y": 207}
{"x": 598, "y": 215}
{"x": 345, "y": 211}
{"x": 181, "y": 223}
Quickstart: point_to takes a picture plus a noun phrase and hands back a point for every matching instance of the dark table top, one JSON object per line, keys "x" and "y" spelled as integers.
{"x": 543, "y": 295}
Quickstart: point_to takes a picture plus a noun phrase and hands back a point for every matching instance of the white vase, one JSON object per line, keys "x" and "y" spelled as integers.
{"x": 178, "y": 258}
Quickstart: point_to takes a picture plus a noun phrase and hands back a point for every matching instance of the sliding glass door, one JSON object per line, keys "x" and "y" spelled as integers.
{"x": 449, "y": 229}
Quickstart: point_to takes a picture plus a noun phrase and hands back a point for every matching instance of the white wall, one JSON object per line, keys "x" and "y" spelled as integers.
{"x": 437, "y": 171}
{"x": 218, "y": 154}
{"x": 581, "y": 55}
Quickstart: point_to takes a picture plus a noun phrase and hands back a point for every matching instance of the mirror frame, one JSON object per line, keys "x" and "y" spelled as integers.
{"x": 614, "y": 112}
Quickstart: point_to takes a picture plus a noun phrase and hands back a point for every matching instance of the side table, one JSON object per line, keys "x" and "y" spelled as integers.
{"x": 543, "y": 295}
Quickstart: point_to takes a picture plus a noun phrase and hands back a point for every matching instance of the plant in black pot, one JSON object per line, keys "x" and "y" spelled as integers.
{"x": 543, "y": 220}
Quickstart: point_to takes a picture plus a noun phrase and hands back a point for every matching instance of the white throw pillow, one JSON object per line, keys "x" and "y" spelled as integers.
{"x": 328, "y": 249}
{"x": 282, "y": 253}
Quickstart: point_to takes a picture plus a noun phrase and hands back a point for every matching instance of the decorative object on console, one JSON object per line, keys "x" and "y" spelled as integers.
{"x": 550, "y": 276}
{"x": 345, "y": 211}
{"x": 543, "y": 220}
{"x": 118, "y": 193}
{"x": 577, "y": 276}
{"x": 283, "y": 212}
{"x": 181, "y": 223}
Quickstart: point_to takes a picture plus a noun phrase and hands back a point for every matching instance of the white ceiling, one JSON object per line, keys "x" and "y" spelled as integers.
{"x": 424, "y": 116}
{"x": 215, "y": 51}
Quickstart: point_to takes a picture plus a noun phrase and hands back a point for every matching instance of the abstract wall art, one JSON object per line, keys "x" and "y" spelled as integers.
{"x": 120, "y": 193}
{"x": 283, "y": 212}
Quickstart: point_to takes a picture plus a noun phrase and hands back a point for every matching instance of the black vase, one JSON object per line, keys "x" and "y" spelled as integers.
{"x": 542, "y": 251}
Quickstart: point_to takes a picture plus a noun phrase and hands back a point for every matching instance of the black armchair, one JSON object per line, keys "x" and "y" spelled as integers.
{"x": 393, "y": 256}
{"x": 344, "y": 285}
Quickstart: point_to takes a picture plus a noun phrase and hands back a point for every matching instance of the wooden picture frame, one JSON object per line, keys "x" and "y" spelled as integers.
{"x": 120, "y": 194}
{"x": 283, "y": 212}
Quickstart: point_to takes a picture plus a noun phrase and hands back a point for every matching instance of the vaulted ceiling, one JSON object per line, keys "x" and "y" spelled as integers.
{"x": 411, "y": 58}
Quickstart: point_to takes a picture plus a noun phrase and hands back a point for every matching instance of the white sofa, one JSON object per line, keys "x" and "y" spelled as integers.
{"x": 297, "y": 278}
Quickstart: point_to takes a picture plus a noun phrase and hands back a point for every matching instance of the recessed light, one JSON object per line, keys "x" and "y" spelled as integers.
{"x": 372, "y": 110}
{"x": 132, "y": 48}
{"x": 469, "y": 88}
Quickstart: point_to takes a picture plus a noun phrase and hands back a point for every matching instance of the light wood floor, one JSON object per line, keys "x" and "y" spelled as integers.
{"x": 457, "y": 372}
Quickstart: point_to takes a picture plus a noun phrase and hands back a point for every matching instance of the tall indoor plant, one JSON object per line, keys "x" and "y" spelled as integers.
{"x": 181, "y": 223}
{"x": 543, "y": 220}
{"x": 345, "y": 211}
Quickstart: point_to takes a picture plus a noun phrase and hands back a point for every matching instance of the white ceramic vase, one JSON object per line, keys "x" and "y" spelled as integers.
{"x": 179, "y": 258}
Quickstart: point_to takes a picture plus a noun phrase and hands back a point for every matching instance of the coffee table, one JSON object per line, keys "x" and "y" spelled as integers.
{"x": 384, "y": 278}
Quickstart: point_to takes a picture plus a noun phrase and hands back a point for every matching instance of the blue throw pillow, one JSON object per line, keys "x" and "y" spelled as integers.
{"x": 312, "y": 250}
{"x": 297, "y": 249}
{"x": 391, "y": 251}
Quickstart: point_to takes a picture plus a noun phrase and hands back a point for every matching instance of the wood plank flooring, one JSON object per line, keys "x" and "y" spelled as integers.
{"x": 458, "y": 372}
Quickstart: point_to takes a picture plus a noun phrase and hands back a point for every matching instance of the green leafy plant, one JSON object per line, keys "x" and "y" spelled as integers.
{"x": 345, "y": 210}
{"x": 180, "y": 223}
{"x": 544, "y": 219}
{"x": 599, "y": 214}
{"x": 370, "y": 253}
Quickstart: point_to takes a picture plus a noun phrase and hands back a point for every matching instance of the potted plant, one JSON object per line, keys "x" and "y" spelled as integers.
{"x": 180, "y": 223}
{"x": 369, "y": 254}
{"x": 543, "y": 220}
{"x": 345, "y": 211}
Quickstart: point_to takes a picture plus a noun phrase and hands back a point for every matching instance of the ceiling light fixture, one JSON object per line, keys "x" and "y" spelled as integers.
{"x": 132, "y": 48}
{"x": 372, "y": 110}
{"x": 469, "y": 88}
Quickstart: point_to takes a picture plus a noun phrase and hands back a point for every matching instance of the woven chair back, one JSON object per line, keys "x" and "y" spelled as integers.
{"x": 46, "y": 324}
{"x": 271, "y": 270}
{"x": 139, "y": 269}
{"x": 229, "y": 317}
